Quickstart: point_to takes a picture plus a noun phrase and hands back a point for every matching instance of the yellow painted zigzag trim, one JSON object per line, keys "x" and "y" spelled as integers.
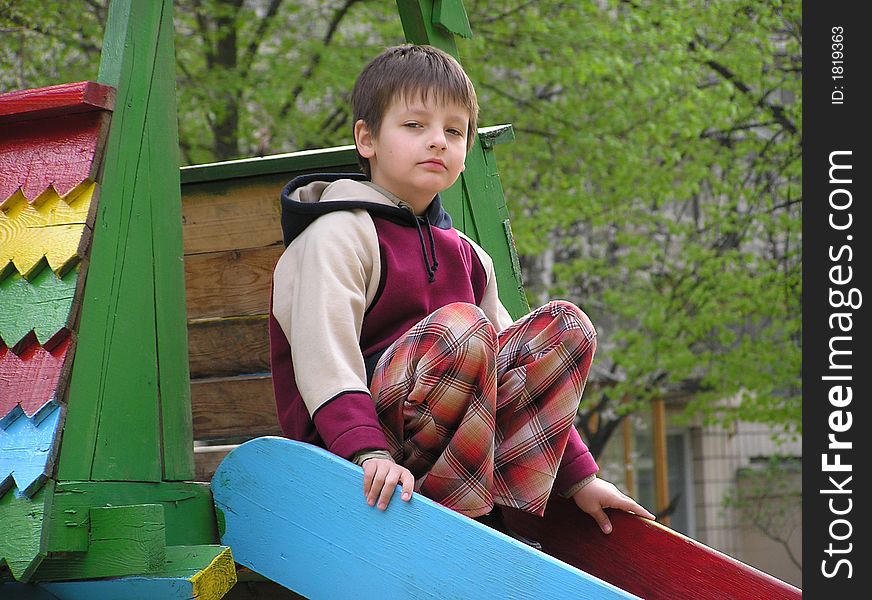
{"x": 50, "y": 227}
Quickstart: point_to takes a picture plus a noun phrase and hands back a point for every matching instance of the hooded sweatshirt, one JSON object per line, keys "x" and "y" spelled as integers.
{"x": 358, "y": 271}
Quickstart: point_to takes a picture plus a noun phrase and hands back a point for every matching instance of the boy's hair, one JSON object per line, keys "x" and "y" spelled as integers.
{"x": 410, "y": 71}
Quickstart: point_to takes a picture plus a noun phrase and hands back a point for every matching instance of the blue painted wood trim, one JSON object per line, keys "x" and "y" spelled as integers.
{"x": 295, "y": 514}
{"x": 27, "y": 446}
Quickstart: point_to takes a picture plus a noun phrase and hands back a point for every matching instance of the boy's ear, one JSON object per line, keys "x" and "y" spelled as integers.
{"x": 363, "y": 139}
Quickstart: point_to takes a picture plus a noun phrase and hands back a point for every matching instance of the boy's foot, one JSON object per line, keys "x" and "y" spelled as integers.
{"x": 494, "y": 520}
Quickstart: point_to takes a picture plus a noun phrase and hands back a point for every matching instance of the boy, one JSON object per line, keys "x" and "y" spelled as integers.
{"x": 389, "y": 346}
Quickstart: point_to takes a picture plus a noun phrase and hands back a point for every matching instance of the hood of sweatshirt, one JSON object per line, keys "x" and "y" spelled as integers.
{"x": 307, "y": 197}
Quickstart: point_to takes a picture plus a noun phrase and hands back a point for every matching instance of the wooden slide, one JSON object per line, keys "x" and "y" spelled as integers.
{"x": 295, "y": 514}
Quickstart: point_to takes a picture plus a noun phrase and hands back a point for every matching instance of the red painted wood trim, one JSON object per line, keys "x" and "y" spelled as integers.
{"x": 645, "y": 558}
{"x": 67, "y": 98}
{"x": 59, "y": 152}
{"x": 31, "y": 379}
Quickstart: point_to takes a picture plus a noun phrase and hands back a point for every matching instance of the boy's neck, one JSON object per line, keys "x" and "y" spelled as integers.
{"x": 401, "y": 202}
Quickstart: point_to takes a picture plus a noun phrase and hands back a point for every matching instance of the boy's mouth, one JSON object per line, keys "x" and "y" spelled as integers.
{"x": 435, "y": 163}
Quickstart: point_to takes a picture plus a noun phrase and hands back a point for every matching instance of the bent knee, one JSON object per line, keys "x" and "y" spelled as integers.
{"x": 465, "y": 321}
{"x": 572, "y": 314}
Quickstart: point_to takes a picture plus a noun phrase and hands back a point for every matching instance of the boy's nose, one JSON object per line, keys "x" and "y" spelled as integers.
{"x": 438, "y": 141}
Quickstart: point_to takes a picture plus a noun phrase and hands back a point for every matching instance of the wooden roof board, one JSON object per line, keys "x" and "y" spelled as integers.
{"x": 53, "y": 228}
{"x": 61, "y": 153}
{"x": 55, "y": 100}
{"x": 42, "y": 305}
{"x": 31, "y": 379}
{"x": 27, "y": 449}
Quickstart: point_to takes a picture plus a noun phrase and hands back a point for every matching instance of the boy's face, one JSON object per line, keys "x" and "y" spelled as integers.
{"x": 419, "y": 151}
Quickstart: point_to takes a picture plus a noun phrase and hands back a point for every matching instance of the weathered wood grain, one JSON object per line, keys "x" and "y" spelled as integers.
{"x": 62, "y": 152}
{"x": 28, "y": 447}
{"x": 234, "y": 215}
{"x": 188, "y": 511}
{"x": 129, "y": 373}
{"x": 31, "y": 380}
{"x": 55, "y": 100}
{"x": 227, "y": 347}
{"x": 230, "y": 283}
{"x": 50, "y": 228}
{"x": 312, "y": 519}
{"x": 233, "y": 406}
{"x": 44, "y": 305}
{"x": 22, "y": 520}
{"x": 646, "y": 558}
{"x": 208, "y": 576}
{"x": 123, "y": 540}
{"x": 162, "y": 175}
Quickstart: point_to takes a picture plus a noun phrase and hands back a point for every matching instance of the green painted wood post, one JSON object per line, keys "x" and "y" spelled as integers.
{"x": 129, "y": 414}
{"x": 476, "y": 201}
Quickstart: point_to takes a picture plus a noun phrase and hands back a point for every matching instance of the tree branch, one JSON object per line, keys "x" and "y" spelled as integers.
{"x": 315, "y": 60}
{"x": 776, "y": 110}
{"x": 253, "y": 47}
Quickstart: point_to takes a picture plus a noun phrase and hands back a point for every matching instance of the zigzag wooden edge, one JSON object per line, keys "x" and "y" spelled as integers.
{"x": 35, "y": 375}
{"x": 28, "y": 449}
{"x": 58, "y": 151}
{"x": 31, "y": 417}
{"x": 53, "y": 138}
{"x": 295, "y": 514}
{"x": 22, "y": 519}
{"x": 51, "y": 230}
{"x": 41, "y": 307}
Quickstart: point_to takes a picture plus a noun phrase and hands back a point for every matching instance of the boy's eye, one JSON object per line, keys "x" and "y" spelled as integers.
{"x": 455, "y": 132}
{"x": 413, "y": 124}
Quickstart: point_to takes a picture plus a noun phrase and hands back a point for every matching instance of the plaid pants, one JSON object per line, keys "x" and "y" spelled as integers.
{"x": 479, "y": 417}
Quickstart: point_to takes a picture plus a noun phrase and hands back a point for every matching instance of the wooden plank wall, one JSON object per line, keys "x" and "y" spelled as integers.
{"x": 231, "y": 228}
{"x": 232, "y": 240}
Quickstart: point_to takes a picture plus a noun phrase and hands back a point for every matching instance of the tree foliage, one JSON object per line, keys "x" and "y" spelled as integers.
{"x": 654, "y": 179}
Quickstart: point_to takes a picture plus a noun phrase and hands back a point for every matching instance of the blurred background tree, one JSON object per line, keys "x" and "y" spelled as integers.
{"x": 655, "y": 178}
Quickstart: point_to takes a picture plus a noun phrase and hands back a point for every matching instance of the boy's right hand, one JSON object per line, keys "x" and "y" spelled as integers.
{"x": 380, "y": 477}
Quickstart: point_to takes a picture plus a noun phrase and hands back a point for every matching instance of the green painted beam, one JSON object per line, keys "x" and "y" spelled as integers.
{"x": 161, "y": 173}
{"x": 419, "y": 28}
{"x": 130, "y": 371}
{"x": 294, "y": 162}
{"x": 123, "y": 540}
{"x": 476, "y": 200}
{"x": 451, "y": 16}
{"x": 188, "y": 511}
{"x": 201, "y": 572}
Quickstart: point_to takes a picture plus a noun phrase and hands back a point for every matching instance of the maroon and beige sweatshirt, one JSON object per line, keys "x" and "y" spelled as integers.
{"x": 359, "y": 270}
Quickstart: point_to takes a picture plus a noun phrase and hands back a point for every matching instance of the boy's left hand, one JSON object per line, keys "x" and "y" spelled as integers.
{"x": 600, "y": 494}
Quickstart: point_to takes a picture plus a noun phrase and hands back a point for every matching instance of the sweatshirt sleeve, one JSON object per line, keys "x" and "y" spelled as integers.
{"x": 576, "y": 465}
{"x": 322, "y": 285}
{"x": 349, "y": 425}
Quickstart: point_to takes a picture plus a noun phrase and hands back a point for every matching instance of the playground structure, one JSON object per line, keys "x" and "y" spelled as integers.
{"x": 102, "y": 494}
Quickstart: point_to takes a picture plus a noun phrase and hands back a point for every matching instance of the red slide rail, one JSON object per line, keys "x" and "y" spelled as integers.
{"x": 646, "y": 558}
